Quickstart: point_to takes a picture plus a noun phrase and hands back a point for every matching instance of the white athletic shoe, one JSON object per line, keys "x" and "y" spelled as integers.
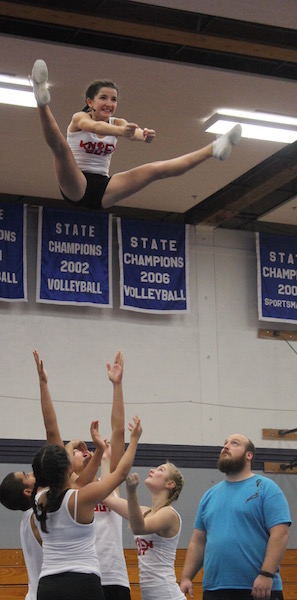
{"x": 39, "y": 79}
{"x": 222, "y": 147}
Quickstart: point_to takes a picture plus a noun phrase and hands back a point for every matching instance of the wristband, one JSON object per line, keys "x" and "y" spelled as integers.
{"x": 266, "y": 574}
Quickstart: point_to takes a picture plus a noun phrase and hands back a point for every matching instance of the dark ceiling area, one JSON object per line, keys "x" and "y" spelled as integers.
{"x": 183, "y": 37}
{"x": 158, "y": 32}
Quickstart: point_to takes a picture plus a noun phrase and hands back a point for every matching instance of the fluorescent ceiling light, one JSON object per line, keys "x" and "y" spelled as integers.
{"x": 16, "y": 91}
{"x": 258, "y": 126}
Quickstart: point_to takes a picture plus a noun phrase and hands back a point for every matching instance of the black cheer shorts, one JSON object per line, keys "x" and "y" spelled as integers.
{"x": 96, "y": 186}
{"x": 70, "y": 586}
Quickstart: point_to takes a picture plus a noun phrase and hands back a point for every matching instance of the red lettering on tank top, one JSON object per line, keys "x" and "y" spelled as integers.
{"x": 89, "y": 147}
{"x": 97, "y": 148}
{"x": 101, "y": 508}
{"x": 142, "y": 546}
{"x": 109, "y": 148}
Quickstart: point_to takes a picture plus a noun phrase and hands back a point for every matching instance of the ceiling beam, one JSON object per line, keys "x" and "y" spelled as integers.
{"x": 150, "y": 32}
{"x": 241, "y": 196}
{"x": 234, "y": 44}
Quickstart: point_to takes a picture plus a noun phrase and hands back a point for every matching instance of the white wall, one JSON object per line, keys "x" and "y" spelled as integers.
{"x": 193, "y": 378}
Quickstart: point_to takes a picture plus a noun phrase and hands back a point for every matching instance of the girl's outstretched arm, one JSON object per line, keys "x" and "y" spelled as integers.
{"x": 143, "y": 135}
{"x": 164, "y": 522}
{"x": 90, "y": 495}
{"x": 81, "y": 121}
{"x": 53, "y": 435}
{"x": 135, "y": 515}
{"x": 90, "y": 472}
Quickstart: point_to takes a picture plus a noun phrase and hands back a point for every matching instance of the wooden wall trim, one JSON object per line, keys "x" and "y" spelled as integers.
{"x": 13, "y": 575}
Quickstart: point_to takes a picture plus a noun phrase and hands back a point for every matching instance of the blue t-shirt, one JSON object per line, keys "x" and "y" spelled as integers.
{"x": 237, "y": 518}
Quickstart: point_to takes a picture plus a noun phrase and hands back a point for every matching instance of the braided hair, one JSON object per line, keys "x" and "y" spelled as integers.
{"x": 95, "y": 87}
{"x": 49, "y": 466}
{"x": 176, "y": 476}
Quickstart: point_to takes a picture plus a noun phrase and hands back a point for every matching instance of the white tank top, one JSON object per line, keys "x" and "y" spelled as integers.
{"x": 92, "y": 153}
{"x": 32, "y": 552}
{"x": 156, "y": 562}
{"x": 109, "y": 546}
{"x": 68, "y": 545}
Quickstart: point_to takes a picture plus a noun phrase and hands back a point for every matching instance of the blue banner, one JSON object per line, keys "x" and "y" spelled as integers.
{"x": 74, "y": 258}
{"x": 13, "y": 261}
{"x": 277, "y": 277}
{"x": 154, "y": 266}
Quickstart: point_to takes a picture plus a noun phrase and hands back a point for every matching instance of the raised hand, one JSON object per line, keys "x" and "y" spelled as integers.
{"x": 99, "y": 442}
{"x": 40, "y": 368}
{"x": 115, "y": 372}
{"x": 132, "y": 481}
{"x": 135, "y": 428}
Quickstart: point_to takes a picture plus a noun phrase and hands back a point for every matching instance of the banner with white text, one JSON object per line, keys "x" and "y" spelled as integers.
{"x": 277, "y": 277}
{"x": 74, "y": 258}
{"x": 13, "y": 256}
{"x": 154, "y": 266}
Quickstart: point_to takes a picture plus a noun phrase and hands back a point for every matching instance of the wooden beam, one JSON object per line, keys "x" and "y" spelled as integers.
{"x": 279, "y": 434}
{"x": 276, "y": 334}
{"x": 275, "y": 467}
{"x": 33, "y": 12}
{"x": 269, "y": 184}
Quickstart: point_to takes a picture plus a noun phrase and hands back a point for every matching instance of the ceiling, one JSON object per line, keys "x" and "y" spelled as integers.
{"x": 176, "y": 63}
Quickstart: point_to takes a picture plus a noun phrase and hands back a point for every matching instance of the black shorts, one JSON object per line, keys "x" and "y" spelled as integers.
{"x": 116, "y": 592}
{"x": 70, "y": 586}
{"x": 96, "y": 186}
{"x": 236, "y": 595}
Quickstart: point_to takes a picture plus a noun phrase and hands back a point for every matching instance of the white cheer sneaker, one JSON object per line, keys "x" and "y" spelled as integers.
{"x": 39, "y": 79}
{"x": 222, "y": 147}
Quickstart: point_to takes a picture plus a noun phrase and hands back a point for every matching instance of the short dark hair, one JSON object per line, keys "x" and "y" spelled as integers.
{"x": 12, "y": 493}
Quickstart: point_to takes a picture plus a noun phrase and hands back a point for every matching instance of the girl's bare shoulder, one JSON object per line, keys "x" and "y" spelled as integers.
{"x": 77, "y": 120}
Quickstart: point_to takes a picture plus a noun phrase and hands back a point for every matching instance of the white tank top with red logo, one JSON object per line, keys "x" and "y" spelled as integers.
{"x": 92, "y": 153}
{"x": 156, "y": 562}
{"x": 109, "y": 546}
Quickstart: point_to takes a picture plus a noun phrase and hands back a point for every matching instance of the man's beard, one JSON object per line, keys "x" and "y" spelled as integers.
{"x": 231, "y": 465}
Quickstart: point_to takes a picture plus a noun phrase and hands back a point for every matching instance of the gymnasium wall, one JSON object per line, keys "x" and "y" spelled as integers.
{"x": 197, "y": 481}
{"x": 193, "y": 379}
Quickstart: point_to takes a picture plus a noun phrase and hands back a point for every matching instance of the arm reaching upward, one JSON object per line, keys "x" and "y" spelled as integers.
{"x": 90, "y": 495}
{"x": 90, "y": 471}
{"x": 53, "y": 435}
{"x": 134, "y": 511}
{"x": 164, "y": 522}
{"x": 117, "y": 442}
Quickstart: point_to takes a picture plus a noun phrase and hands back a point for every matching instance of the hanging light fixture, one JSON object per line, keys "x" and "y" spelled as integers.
{"x": 255, "y": 125}
{"x": 16, "y": 91}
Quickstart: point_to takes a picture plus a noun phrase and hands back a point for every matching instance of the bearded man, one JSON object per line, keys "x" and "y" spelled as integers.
{"x": 240, "y": 532}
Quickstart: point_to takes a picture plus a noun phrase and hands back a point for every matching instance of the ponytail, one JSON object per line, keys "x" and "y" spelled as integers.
{"x": 49, "y": 466}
